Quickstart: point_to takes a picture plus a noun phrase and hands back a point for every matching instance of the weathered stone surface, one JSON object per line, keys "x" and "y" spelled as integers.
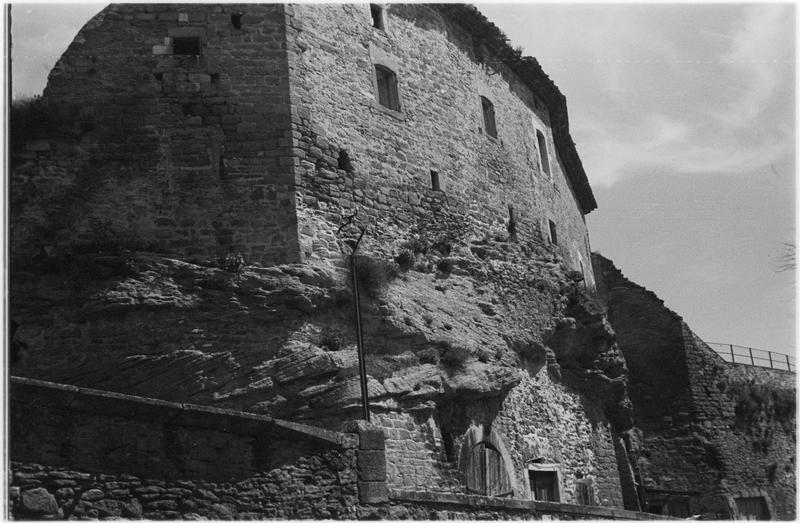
{"x": 38, "y": 501}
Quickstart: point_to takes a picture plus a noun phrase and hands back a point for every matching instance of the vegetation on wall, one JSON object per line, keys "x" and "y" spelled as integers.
{"x": 34, "y": 118}
{"x": 760, "y": 408}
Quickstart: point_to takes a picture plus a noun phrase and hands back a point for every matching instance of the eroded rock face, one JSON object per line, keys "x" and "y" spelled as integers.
{"x": 281, "y": 340}
{"x": 585, "y": 349}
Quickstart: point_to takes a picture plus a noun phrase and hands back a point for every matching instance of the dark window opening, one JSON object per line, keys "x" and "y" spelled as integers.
{"x": 344, "y": 161}
{"x": 486, "y": 472}
{"x": 377, "y": 16}
{"x": 214, "y": 78}
{"x": 186, "y": 45}
{"x": 543, "y": 156}
{"x": 236, "y": 20}
{"x": 488, "y": 117}
{"x": 387, "y": 88}
{"x": 435, "y": 181}
{"x": 553, "y": 235}
{"x": 158, "y": 76}
{"x": 512, "y": 223}
{"x": 752, "y": 508}
{"x": 544, "y": 485}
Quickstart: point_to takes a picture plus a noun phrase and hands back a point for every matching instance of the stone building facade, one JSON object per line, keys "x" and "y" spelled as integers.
{"x": 180, "y": 235}
{"x": 227, "y": 126}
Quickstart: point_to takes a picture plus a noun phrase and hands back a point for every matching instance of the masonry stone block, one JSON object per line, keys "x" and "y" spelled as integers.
{"x": 371, "y": 465}
{"x": 372, "y": 492}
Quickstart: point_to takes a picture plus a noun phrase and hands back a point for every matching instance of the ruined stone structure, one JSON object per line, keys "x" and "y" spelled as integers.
{"x": 180, "y": 244}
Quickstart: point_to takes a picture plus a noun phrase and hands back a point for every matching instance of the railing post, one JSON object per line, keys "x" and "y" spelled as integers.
{"x": 788, "y": 364}
{"x": 733, "y": 357}
{"x": 752, "y": 361}
{"x": 770, "y": 359}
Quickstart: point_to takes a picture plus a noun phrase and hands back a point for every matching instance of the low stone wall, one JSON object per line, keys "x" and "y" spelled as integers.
{"x": 79, "y": 453}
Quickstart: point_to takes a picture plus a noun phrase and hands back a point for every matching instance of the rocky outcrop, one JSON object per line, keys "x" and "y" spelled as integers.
{"x": 281, "y": 340}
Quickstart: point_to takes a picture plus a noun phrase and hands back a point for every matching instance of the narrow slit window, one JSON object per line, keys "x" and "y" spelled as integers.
{"x": 488, "y": 117}
{"x": 387, "y": 88}
{"x": 186, "y": 45}
{"x": 435, "y": 185}
{"x": 543, "y": 155}
{"x": 236, "y": 20}
{"x": 553, "y": 235}
{"x": 376, "y": 12}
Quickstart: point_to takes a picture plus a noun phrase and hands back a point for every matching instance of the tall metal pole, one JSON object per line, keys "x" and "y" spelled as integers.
{"x": 362, "y": 365}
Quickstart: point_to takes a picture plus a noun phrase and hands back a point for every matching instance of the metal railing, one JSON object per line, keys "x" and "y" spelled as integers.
{"x": 755, "y": 357}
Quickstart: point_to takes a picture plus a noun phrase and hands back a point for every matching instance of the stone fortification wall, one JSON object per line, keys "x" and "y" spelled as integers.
{"x": 80, "y": 453}
{"x": 187, "y": 154}
{"x": 333, "y": 50}
{"x": 734, "y": 432}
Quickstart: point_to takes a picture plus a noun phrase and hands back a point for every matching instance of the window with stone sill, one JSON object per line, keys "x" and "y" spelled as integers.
{"x": 489, "y": 124}
{"x": 387, "y": 88}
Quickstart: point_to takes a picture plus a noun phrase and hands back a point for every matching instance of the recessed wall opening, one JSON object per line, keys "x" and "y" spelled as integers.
{"x": 214, "y": 78}
{"x": 512, "y": 223}
{"x": 186, "y": 45}
{"x": 543, "y": 156}
{"x": 236, "y": 20}
{"x": 488, "y": 117}
{"x": 435, "y": 185}
{"x": 553, "y": 233}
{"x": 544, "y": 485}
{"x": 344, "y": 162}
{"x": 159, "y": 77}
{"x": 387, "y": 88}
{"x": 376, "y": 12}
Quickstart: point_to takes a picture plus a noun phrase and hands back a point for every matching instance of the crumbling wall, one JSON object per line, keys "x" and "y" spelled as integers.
{"x": 186, "y": 154}
{"x": 494, "y": 186}
{"x": 719, "y": 431}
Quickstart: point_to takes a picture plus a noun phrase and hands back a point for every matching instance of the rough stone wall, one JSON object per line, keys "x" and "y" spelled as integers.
{"x": 185, "y": 154}
{"x": 78, "y": 453}
{"x": 332, "y": 53}
{"x": 734, "y": 432}
{"x": 532, "y": 422}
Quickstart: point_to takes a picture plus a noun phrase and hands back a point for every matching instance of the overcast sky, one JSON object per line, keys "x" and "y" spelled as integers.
{"x": 684, "y": 117}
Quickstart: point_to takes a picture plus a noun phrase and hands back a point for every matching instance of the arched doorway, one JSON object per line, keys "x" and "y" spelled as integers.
{"x": 486, "y": 472}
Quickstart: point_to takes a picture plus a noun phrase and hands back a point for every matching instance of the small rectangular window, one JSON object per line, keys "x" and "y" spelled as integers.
{"x": 544, "y": 485}
{"x": 543, "y": 155}
{"x": 553, "y": 235}
{"x": 387, "y": 88}
{"x": 376, "y": 12}
{"x": 488, "y": 117}
{"x": 435, "y": 185}
{"x": 186, "y": 45}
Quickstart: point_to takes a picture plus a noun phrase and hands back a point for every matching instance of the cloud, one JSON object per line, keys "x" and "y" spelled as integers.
{"x": 761, "y": 43}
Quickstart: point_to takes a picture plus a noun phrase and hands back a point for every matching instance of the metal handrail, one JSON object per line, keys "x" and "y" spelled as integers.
{"x": 753, "y": 357}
